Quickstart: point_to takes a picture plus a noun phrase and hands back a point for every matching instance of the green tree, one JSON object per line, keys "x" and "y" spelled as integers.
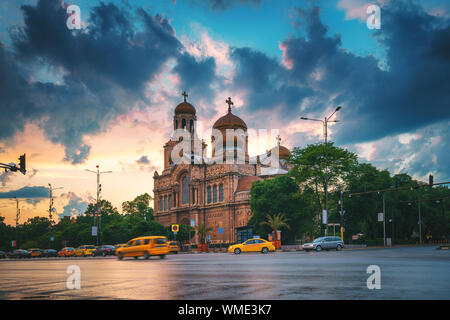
{"x": 140, "y": 206}
{"x": 202, "y": 231}
{"x": 276, "y": 222}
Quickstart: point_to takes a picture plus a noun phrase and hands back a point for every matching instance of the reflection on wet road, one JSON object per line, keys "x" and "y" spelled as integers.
{"x": 406, "y": 273}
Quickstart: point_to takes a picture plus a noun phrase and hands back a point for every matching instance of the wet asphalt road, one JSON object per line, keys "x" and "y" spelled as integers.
{"x": 406, "y": 273}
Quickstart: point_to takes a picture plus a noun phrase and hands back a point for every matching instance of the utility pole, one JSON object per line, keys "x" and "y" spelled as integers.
{"x": 97, "y": 206}
{"x": 384, "y": 220}
{"x": 325, "y": 131}
{"x": 342, "y": 215}
{"x": 17, "y": 211}
{"x": 50, "y": 209}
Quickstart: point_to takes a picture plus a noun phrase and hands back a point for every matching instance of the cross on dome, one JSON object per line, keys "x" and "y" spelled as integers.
{"x": 278, "y": 138}
{"x": 185, "y": 95}
{"x": 230, "y": 103}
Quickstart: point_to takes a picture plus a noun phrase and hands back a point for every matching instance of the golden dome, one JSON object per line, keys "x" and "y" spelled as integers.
{"x": 185, "y": 107}
{"x": 230, "y": 121}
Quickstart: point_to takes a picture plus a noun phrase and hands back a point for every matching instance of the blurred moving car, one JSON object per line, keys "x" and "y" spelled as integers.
{"x": 35, "y": 252}
{"x": 19, "y": 254}
{"x": 324, "y": 243}
{"x": 105, "y": 250}
{"x": 252, "y": 245}
{"x": 66, "y": 252}
{"x": 85, "y": 250}
{"x": 2, "y": 254}
{"x": 144, "y": 247}
{"x": 174, "y": 247}
{"x": 49, "y": 253}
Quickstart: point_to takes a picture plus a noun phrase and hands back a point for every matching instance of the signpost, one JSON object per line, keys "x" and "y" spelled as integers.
{"x": 175, "y": 229}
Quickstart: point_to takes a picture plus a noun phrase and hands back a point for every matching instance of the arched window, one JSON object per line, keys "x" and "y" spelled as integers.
{"x": 183, "y": 123}
{"x": 185, "y": 189}
{"x": 170, "y": 201}
{"x": 161, "y": 204}
{"x": 220, "y": 192}
{"x": 215, "y": 193}
{"x": 209, "y": 194}
{"x": 191, "y": 125}
{"x": 165, "y": 203}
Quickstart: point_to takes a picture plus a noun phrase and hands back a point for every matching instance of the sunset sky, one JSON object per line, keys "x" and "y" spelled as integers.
{"x": 105, "y": 94}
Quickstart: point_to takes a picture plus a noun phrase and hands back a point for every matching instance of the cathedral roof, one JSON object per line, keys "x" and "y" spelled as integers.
{"x": 283, "y": 152}
{"x": 230, "y": 121}
{"x": 245, "y": 183}
{"x": 185, "y": 107}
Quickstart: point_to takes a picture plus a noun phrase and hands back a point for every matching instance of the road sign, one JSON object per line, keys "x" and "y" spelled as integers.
{"x": 94, "y": 231}
{"x": 51, "y": 238}
{"x": 380, "y": 217}
{"x": 192, "y": 223}
{"x": 208, "y": 238}
{"x": 175, "y": 228}
{"x": 324, "y": 217}
{"x": 220, "y": 230}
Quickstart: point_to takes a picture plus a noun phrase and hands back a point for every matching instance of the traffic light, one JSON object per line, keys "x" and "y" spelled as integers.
{"x": 22, "y": 164}
{"x": 430, "y": 180}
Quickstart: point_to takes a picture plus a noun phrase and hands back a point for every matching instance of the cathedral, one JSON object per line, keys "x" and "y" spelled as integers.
{"x": 210, "y": 192}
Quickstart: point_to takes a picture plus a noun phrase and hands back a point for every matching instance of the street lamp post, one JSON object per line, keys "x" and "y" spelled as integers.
{"x": 325, "y": 130}
{"x": 97, "y": 213}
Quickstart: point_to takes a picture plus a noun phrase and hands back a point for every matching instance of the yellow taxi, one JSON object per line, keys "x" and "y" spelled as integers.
{"x": 85, "y": 250}
{"x": 252, "y": 245}
{"x": 174, "y": 247}
{"x": 66, "y": 252}
{"x": 144, "y": 247}
{"x": 35, "y": 252}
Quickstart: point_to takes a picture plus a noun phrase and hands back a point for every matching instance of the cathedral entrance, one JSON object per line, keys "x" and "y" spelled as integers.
{"x": 244, "y": 233}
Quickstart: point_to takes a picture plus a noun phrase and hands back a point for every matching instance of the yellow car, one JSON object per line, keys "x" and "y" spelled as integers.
{"x": 174, "y": 247}
{"x": 66, "y": 252}
{"x": 85, "y": 250}
{"x": 252, "y": 245}
{"x": 145, "y": 247}
{"x": 35, "y": 252}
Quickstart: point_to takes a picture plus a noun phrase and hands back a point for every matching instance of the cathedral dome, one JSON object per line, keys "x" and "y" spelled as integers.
{"x": 185, "y": 107}
{"x": 283, "y": 152}
{"x": 230, "y": 121}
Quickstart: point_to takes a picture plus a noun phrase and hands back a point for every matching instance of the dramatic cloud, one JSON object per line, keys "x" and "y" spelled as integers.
{"x": 5, "y": 177}
{"x": 411, "y": 94}
{"x": 224, "y": 4}
{"x": 75, "y": 207}
{"x": 26, "y": 192}
{"x": 104, "y": 69}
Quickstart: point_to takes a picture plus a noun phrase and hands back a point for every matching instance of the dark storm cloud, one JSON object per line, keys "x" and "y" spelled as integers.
{"x": 411, "y": 94}
{"x": 105, "y": 68}
{"x": 197, "y": 77}
{"x": 26, "y": 192}
{"x": 224, "y": 4}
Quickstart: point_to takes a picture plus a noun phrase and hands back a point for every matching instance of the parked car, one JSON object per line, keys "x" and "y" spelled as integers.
{"x": 144, "y": 247}
{"x": 35, "y": 252}
{"x": 252, "y": 245}
{"x": 324, "y": 243}
{"x": 105, "y": 250}
{"x": 2, "y": 254}
{"x": 66, "y": 252}
{"x": 174, "y": 247}
{"x": 19, "y": 254}
{"x": 49, "y": 253}
{"x": 85, "y": 250}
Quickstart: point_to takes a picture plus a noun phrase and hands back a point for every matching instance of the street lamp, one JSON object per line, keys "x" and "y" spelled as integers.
{"x": 325, "y": 130}
{"x": 99, "y": 188}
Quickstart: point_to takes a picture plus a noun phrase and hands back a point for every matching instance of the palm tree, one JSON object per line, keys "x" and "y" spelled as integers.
{"x": 202, "y": 231}
{"x": 276, "y": 222}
